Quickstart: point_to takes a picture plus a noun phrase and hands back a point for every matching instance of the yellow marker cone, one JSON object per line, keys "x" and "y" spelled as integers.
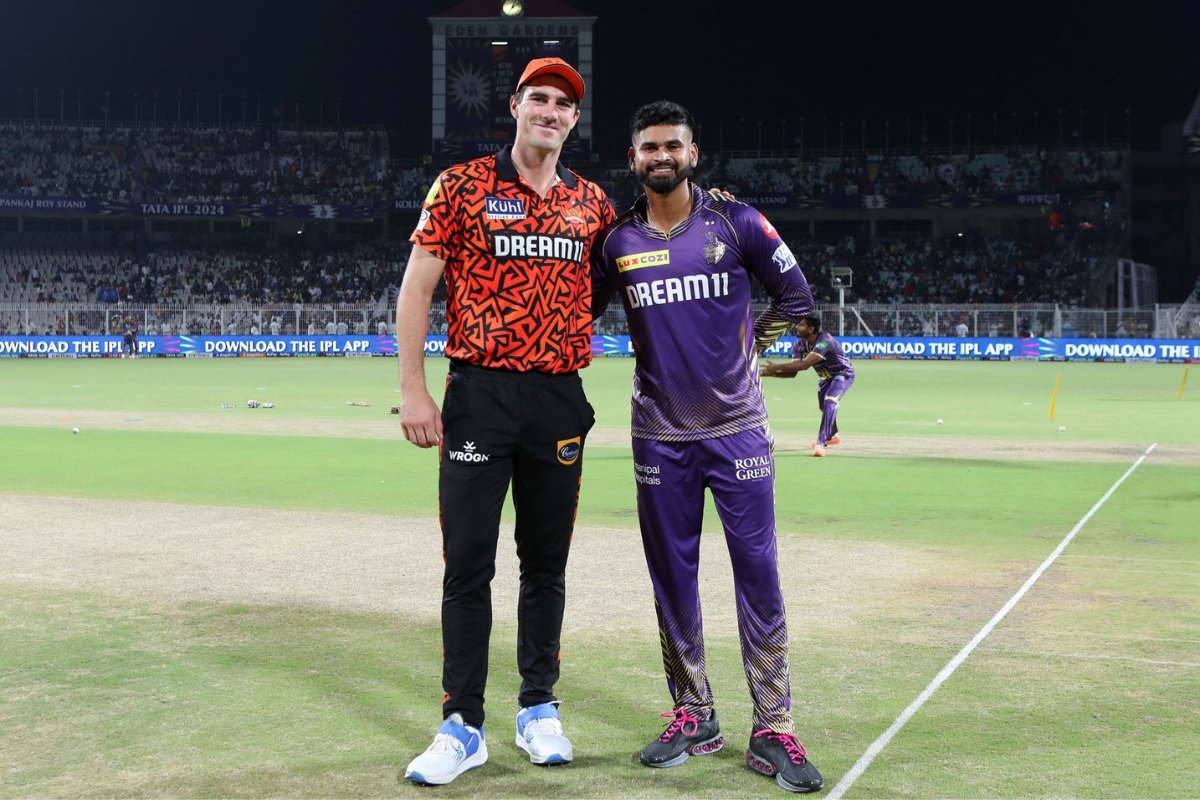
{"x": 1054, "y": 397}
{"x": 1183, "y": 383}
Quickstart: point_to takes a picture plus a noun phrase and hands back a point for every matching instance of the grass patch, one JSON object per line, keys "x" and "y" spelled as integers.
{"x": 103, "y": 695}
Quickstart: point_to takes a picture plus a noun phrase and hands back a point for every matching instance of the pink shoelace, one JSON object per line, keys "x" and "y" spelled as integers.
{"x": 793, "y": 746}
{"x": 682, "y": 720}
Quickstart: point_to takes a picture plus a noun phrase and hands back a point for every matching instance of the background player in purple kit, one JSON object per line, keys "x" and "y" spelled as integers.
{"x": 130, "y": 340}
{"x": 681, "y": 261}
{"x": 823, "y": 353}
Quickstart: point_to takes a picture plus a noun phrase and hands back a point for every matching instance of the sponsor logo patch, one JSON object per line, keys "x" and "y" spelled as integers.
{"x": 433, "y": 192}
{"x": 469, "y": 453}
{"x": 531, "y": 245}
{"x": 568, "y": 451}
{"x": 504, "y": 208}
{"x": 424, "y": 219}
{"x": 767, "y": 227}
{"x": 655, "y": 258}
{"x": 783, "y": 257}
{"x": 753, "y": 468}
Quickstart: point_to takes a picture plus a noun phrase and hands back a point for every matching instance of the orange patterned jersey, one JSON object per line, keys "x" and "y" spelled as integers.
{"x": 518, "y": 285}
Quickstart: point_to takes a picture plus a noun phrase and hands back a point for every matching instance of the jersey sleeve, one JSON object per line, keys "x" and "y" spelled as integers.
{"x": 604, "y": 281}
{"x": 608, "y": 214}
{"x": 770, "y": 260}
{"x": 437, "y": 230}
{"x": 821, "y": 348}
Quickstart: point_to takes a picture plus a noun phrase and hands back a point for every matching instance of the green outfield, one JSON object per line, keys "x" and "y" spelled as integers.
{"x": 198, "y": 601}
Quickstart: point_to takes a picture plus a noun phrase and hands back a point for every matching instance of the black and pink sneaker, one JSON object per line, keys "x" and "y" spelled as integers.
{"x": 782, "y": 755}
{"x": 685, "y": 736}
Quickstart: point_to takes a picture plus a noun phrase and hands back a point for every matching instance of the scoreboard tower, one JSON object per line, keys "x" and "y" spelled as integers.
{"x": 480, "y": 48}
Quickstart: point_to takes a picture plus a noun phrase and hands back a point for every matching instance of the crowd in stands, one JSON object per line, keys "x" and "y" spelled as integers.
{"x": 202, "y": 165}
{"x": 1049, "y": 268}
{"x": 69, "y": 162}
{"x": 974, "y": 269}
{"x": 823, "y": 176}
{"x": 200, "y": 272}
{"x": 246, "y": 166}
{"x": 268, "y": 166}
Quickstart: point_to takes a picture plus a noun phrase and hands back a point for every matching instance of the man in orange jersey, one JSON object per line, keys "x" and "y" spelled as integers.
{"x": 512, "y": 235}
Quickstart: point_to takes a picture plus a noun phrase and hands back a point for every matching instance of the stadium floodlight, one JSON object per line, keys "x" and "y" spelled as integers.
{"x": 843, "y": 279}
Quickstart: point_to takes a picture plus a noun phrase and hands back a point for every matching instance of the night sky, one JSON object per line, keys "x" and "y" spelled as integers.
{"x": 915, "y": 64}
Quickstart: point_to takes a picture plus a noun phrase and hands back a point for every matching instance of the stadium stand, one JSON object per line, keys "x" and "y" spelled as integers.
{"x": 55, "y": 273}
{"x": 195, "y": 164}
{"x": 246, "y": 165}
{"x": 60, "y": 161}
{"x": 968, "y": 269}
{"x": 903, "y": 174}
{"x": 213, "y": 264}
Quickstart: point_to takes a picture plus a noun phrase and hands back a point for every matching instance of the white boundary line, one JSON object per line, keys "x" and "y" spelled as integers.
{"x": 877, "y": 746}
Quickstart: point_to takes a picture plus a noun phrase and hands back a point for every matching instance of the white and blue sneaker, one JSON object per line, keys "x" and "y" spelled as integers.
{"x": 457, "y": 747}
{"x": 540, "y": 734}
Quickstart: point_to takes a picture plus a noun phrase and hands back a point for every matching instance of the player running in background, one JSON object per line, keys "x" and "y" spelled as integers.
{"x": 681, "y": 262}
{"x": 511, "y": 233}
{"x": 130, "y": 339}
{"x": 821, "y": 352}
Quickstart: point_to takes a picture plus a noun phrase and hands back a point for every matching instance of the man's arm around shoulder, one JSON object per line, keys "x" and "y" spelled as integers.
{"x": 420, "y": 417}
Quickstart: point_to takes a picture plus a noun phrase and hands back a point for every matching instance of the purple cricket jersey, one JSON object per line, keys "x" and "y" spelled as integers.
{"x": 834, "y": 360}
{"x": 687, "y": 300}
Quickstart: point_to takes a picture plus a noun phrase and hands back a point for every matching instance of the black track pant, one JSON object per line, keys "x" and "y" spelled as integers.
{"x": 527, "y": 429}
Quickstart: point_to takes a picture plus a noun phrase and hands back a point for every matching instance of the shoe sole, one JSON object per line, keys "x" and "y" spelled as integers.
{"x": 766, "y": 768}
{"x": 706, "y": 748}
{"x": 474, "y": 762}
{"x": 552, "y": 760}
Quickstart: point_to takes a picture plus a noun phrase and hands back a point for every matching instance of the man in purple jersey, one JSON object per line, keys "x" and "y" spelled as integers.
{"x": 681, "y": 261}
{"x": 823, "y": 353}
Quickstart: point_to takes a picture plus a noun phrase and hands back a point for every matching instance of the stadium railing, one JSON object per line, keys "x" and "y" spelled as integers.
{"x": 862, "y": 319}
{"x": 99, "y": 319}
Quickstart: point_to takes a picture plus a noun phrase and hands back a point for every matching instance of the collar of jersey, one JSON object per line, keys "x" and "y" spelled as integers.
{"x": 506, "y": 170}
{"x": 641, "y": 213}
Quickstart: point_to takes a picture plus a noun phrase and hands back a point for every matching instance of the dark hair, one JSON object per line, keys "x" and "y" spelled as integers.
{"x": 661, "y": 112}
{"x": 814, "y": 322}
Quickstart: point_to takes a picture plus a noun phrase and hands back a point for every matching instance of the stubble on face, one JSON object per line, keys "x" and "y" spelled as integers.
{"x": 541, "y": 117}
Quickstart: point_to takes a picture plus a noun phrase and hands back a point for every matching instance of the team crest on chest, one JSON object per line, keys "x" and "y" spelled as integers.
{"x": 714, "y": 248}
{"x": 572, "y": 214}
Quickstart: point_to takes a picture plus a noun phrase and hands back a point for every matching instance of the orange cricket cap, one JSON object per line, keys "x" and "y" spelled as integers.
{"x": 553, "y": 66}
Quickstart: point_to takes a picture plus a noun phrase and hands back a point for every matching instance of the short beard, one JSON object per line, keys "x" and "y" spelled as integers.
{"x": 665, "y": 185}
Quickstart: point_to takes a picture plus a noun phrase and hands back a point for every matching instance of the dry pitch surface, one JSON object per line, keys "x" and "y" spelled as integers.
{"x": 376, "y": 423}
{"x": 375, "y": 563}
{"x": 367, "y": 563}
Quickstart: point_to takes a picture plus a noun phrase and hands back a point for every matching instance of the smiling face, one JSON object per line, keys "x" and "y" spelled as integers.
{"x": 546, "y": 111}
{"x": 663, "y": 157}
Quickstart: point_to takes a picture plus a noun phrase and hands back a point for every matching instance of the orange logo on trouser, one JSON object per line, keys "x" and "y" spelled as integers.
{"x": 568, "y": 451}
